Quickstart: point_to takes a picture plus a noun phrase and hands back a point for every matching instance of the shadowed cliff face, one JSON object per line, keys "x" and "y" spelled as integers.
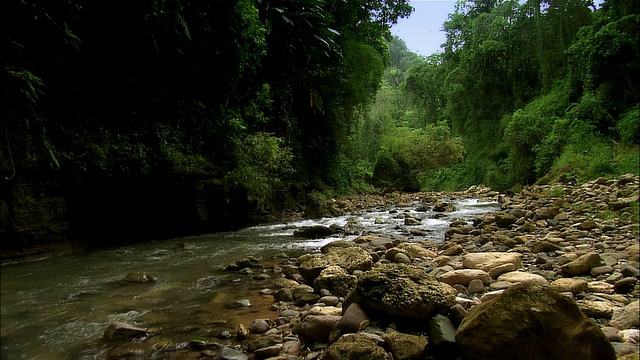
{"x": 41, "y": 217}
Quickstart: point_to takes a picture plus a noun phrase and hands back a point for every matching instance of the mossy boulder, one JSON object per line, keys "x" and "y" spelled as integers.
{"x": 349, "y": 258}
{"x": 405, "y": 291}
{"x": 531, "y": 322}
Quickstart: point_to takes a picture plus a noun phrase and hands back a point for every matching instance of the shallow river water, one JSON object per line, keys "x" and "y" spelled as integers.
{"x": 58, "y": 308}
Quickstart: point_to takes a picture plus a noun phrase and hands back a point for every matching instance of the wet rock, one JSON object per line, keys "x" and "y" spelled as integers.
{"x": 355, "y": 347}
{"x": 244, "y": 303}
{"x": 404, "y": 290}
{"x": 118, "y": 331}
{"x": 260, "y": 326}
{"x": 411, "y": 221}
{"x": 442, "y": 206}
{"x": 228, "y": 353}
{"x": 316, "y": 232}
{"x": 242, "y": 332}
{"x": 489, "y": 260}
{"x": 139, "y": 277}
{"x": 316, "y": 328}
{"x": 493, "y": 330}
{"x": 405, "y": 346}
{"x": 626, "y": 317}
{"x": 582, "y": 265}
{"x": 267, "y": 352}
{"x": 247, "y": 262}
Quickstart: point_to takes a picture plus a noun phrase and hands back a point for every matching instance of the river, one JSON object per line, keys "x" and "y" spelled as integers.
{"x": 58, "y": 307}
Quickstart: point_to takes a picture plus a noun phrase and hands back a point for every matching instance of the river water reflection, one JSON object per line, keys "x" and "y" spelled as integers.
{"x": 58, "y": 308}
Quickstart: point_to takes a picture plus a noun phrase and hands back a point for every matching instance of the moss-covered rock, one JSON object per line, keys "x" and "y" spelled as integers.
{"x": 404, "y": 290}
{"x": 355, "y": 347}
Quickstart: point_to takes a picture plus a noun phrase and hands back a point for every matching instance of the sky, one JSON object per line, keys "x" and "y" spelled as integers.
{"x": 422, "y": 31}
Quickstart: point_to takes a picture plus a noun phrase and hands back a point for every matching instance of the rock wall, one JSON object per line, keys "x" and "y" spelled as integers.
{"x": 55, "y": 215}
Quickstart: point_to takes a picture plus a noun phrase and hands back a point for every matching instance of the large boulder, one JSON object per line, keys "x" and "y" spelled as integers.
{"x": 349, "y": 258}
{"x": 531, "y": 322}
{"x": 355, "y": 347}
{"x": 405, "y": 291}
{"x": 489, "y": 260}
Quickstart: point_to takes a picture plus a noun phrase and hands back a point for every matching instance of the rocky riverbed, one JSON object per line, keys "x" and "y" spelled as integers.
{"x": 553, "y": 275}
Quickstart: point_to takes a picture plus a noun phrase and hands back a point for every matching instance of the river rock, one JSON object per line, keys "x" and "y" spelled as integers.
{"x": 521, "y": 277}
{"x": 118, "y": 331}
{"x": 626, "y": 317}
{"x": 353, "y": 319}
{"x": 316, "y": 232}
{"x": 405, "y": 346}
{"x": 350, "y": 259}
{"x": 355, "y": 347}
{"x": 316, "y": 328}
{"x": 404, "y": 290}
{"x": 442, "y": 206}
{"x": 543, "y": 246}
{"x": 504, "y": 220}
{"x": 229, "y": 353}
{"x": 489, "y": 260}
{"x": 453, "y": 250}
{"x": 572, "y": 285}
{"x": 464, "y": 277}
{"x": 494, "y": 329}
{"x": 582, "y": 265}
{"x": 260, "y": 326}
{"x": 442, "y": 332}
{"x": 139, "y": 277}
{"x": 596, "y": 309}
{"x": 625, "y": 285}
{"x": 412, "y": 250}
{"x": 246, "y": 262}
{"x": 336, "y": 280}
{"x": 268, "y": 352}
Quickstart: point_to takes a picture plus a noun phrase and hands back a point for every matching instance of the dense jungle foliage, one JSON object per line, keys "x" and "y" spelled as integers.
{"x": 531, "y": 91}
{"x": 275, "y": 95}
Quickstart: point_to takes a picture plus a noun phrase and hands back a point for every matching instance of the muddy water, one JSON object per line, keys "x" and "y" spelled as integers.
{"x": 58, "y": 308}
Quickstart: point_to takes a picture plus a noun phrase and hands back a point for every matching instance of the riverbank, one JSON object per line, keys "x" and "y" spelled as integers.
{"x": 558, "y": 263}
